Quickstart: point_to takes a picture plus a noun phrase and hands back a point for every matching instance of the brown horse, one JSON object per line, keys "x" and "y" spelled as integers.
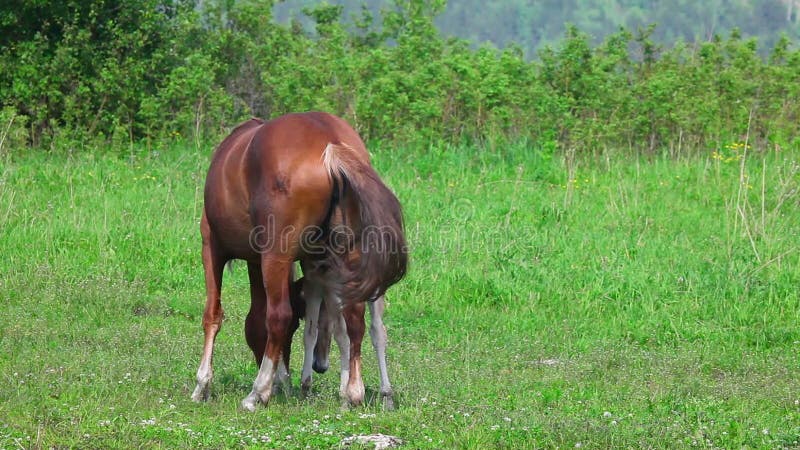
{"x": 297, "y": 188}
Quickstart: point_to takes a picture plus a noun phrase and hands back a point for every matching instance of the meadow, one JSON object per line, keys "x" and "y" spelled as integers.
{"x": 554, "y": 300}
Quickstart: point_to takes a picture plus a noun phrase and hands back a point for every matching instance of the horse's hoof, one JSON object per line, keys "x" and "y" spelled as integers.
{"x": 251, "y": 402}
{"x": 355, "y": 394}
{"x": 388, "y": 402}
{"x": 305, "y": 387}
{"x": 201, "y": 393}
{"x": 349, "y": 403}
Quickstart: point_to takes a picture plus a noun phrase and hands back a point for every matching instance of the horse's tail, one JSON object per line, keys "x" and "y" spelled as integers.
{"x": 377, "y": 257}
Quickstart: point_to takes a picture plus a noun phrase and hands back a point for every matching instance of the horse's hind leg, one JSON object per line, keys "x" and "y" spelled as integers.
{"x": 354, "y": 318}
{"x": 377, "y": 333}
{"x": 213, "y": 263}
{"x": 298, "y": 311}
{"x": 255, "y": 325}
{"x": 343, "y": 342}
{"x": 275, "y": 272}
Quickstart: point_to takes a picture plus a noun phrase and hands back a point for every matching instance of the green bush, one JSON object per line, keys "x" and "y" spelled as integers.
{"x": 149, "y": 69}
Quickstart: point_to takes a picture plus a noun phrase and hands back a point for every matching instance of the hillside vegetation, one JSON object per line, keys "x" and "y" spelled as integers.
{"x": 87, "y": 74}
{"x": 531, "y": 24}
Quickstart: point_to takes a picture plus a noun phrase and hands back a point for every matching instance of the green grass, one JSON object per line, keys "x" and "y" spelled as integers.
{"x": 635, "y": 303}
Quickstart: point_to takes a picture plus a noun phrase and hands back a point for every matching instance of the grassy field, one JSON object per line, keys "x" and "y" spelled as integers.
{"x": 587, "y": 303}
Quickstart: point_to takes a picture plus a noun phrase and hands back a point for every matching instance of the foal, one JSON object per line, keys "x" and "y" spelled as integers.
{"x": 297, "y": 188}
{"x": 327, "y": 324}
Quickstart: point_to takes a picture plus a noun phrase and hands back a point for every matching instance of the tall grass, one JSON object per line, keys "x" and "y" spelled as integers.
{"x": 551, "y": 302}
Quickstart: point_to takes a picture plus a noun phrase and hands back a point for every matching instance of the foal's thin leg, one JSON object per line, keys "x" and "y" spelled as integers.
{"x": 313, "y": 297}
{"x": 279, "y": 316}
{"x": 212, "y": 315}
{"x": 377, "y": 333}
{"x": 298, "y": 310}
{"x": 354, "y": 318}
{"x": 343, "y": 342}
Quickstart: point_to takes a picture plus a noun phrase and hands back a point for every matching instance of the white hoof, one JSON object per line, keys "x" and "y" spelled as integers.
{"x": 305, "y": 387}
{"x": 251, "y": 402}
{"x": 355, "y": 394}
{"x": 201, "y": 393}
{"x": 388, "y": 401}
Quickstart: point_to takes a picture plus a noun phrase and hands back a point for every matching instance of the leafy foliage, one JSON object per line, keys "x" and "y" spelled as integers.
{"x": 149, "y": 69}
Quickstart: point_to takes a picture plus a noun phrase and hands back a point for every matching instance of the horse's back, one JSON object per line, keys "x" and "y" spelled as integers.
{"x": 297, "y": 136}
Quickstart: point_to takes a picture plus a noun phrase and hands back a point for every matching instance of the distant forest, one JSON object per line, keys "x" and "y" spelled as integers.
{"x": 531, "y": 24}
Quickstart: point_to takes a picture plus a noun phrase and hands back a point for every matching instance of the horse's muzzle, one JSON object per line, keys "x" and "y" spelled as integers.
{"x": 319, "y": 366}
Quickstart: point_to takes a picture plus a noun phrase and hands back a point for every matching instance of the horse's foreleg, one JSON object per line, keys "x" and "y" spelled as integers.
{"x": 212, "y": 315}
{"x": 377, "y": 333}
{"x": 279, "y": 316}
{"x": 354, "y": 318}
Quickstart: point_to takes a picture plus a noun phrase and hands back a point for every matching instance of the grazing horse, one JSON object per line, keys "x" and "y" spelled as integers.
{"x": 327, "y": 324}
{"x": 297, "y": 188}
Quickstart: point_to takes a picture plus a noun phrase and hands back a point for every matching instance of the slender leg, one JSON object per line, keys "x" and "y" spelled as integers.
{"x": 298, "y": 311}
{"x": 343, "y": 342}
{"x": 275, "y": 272}
{"x": 255, "y": 328}
{"x": 283, "y": 374}
{"x": 377, "y": 333}
{"x": 213, "y": 264}
{"x": 282, "y": 378}
{"x": 313, "y": 298}
{"x": 354, "y": 318}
